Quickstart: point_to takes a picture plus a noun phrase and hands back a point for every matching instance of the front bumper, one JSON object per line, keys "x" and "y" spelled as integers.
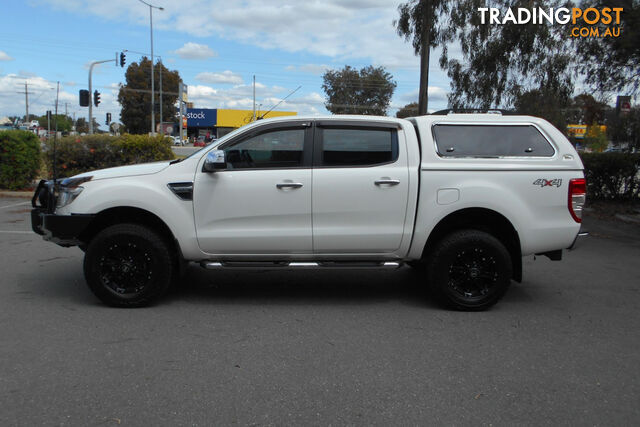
{"x": 64, "y": 230}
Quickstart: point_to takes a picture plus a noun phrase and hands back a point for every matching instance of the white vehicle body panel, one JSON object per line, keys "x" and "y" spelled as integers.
{"x": 339, "y": 213}
{"x": 505, "y": 185}
{"x": 353, "y": 215}
{"x": 243, "y": 212}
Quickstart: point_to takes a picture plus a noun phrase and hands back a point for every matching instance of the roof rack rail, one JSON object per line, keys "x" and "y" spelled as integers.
{"x": 474, "y": 111}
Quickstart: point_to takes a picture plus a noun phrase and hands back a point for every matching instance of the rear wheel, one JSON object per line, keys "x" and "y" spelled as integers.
{"x": 469, "y": 270}
{"x": 128, "y": 265}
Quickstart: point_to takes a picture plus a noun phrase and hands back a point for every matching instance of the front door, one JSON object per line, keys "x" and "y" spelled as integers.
{"x": 261, "y": 204}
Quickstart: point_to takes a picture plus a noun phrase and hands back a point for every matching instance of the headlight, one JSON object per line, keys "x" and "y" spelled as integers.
{"x": 67, "y": 195}
{"x": 69, "y": 189}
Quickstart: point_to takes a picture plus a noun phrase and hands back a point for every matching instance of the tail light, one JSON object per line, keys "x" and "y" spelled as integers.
{"x": 577, "y": 197}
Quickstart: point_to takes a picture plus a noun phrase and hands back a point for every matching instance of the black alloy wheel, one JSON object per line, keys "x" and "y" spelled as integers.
{"x": 128, "y": 265}
{"x": 469, "y": 270}
{"x": 126, "y": 268}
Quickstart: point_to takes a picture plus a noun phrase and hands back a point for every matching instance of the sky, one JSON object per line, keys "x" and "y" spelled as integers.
{"x": 216, "y": 46}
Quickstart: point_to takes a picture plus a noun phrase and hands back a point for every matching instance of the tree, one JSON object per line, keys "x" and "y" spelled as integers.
{"x": 596, "y": 139}
{"x": 539, "y": 103}
{"x": 135, "y": 95}
{"x": 82, "y": 125}
{"x": 624, "y": 129}
{"x": 502, "y": 62}
{"x": 416, "y": 16}
{"x": 366, "y": 91}
{"x": 585, "y": 109}
{"x": 613, "y": 63}
{"x": 64, "y": 122}
{"x": 409, "y": 110}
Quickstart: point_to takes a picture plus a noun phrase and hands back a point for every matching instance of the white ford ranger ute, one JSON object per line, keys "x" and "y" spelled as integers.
{"x": 462, "y": 197}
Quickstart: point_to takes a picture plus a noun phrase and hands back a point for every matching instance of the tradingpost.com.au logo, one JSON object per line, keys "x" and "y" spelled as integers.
{"x": 589, "y": 22}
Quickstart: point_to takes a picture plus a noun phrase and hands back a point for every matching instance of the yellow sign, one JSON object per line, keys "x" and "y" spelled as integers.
{"x": 577, "y": 131}
{"x": 580, "y": 131}
{"x": 238, "y": 118}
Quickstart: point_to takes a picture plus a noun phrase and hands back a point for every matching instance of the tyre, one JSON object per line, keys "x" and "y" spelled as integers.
{"x": 469, "y": 270}
{"x": 128, "y": 265}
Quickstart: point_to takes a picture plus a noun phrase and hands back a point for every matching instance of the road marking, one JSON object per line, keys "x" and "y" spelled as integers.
{"x": 13, "y": 206}
{"x": 16, "y": 232}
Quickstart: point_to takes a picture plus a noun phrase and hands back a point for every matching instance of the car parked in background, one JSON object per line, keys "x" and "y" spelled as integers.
{"x": 201, "y": 141}
{"x": 177, "y": 141}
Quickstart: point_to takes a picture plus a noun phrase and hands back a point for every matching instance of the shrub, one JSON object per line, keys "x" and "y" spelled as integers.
{"x": 19, "y": 159}
{"x": 612, "y": 176}
{"x": 78, "y": 154}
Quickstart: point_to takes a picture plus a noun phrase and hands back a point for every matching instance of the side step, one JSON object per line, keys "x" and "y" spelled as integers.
{"x": 286, "y": 265}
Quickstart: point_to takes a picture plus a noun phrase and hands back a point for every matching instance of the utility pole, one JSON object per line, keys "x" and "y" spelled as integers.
{"x": 160, "y": 62}
{"x": 91, "y": 93}
{"x": 425, "y": 50}
{"x": 55, "y": 136}
{"x": 26, "y": 101}
{"x": 181, "y": 103}
{"x": 153, "y": 113}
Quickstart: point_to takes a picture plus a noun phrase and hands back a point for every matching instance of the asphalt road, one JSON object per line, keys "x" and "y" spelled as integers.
{"x": 319, "y": 347}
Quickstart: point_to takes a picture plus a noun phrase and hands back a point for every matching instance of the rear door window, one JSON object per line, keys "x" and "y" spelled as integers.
{"x": 454, "y": 140}
{"x": 341, "y": 147}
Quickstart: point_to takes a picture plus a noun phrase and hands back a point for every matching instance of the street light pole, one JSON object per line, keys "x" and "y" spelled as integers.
{"x": 160, "y": 95}
{"x": 153, "y": 113}
{"x": 91, "y": 93}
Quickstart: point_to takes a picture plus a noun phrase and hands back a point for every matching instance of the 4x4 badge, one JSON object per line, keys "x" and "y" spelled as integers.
{"x": 548, "y": 182}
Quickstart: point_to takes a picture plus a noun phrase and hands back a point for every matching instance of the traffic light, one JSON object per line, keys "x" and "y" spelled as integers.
{"x": 108, "y": 121}
{"x": 123, "y": 59}
{"x": 84, "y": 98}
{"x": 96, "y": 98}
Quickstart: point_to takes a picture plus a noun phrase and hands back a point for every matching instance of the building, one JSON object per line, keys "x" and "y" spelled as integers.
{"x": 216, "y": 122}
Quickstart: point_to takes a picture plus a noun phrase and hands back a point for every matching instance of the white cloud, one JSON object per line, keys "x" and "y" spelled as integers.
{"x": 42, "y": 95}
{"x": 316, "y": 69}
{"x": 240, "y": 97}
{"x": 225, "y": 77}
{"x": 355, "y": 32}
{"x": 4, "y": 56}
{"x": 192, "y": 50}
{"x": 436, "y": 93}
{"x": 355, "y": 29}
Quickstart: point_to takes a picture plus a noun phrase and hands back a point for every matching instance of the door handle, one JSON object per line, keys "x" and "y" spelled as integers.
{"x": 387, "y": 182}
{"x": 288, "y": 185}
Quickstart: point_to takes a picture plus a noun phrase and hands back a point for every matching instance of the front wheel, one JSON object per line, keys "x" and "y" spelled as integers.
{"x": 469, "y": 270}
{"x": 128, "y": 265}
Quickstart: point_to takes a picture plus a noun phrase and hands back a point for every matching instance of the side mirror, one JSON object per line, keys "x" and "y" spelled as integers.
{"x": 214, "y": 161}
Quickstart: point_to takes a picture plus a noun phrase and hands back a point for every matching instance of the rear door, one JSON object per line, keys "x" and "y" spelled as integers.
{"x": 360, "y": 187}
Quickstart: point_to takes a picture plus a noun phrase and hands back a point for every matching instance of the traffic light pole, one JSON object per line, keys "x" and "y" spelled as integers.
{"x": 91, "y": 92}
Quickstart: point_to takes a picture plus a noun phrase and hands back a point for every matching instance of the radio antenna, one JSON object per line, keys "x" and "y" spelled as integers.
{"x": 283, "y": 99}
